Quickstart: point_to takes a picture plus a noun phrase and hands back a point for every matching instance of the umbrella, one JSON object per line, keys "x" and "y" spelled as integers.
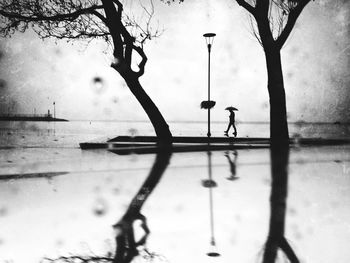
{"x": 231, "y": 108}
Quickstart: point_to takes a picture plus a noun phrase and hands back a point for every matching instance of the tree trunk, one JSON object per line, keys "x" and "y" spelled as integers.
{"x": 278, "y": 112}
{"x": 160, "y": 126}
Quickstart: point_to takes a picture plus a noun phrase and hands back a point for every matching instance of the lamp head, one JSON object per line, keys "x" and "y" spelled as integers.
{"x": 209, "y": 39}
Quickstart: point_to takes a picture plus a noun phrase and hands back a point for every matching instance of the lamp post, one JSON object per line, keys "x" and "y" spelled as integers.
{"x": 209, "y": 39}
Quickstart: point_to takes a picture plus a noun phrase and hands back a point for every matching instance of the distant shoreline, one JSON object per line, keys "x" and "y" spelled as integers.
{"x": 31, "y": 118}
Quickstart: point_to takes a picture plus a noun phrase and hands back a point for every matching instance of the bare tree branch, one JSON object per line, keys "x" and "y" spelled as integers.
{"x": 292, "y": 18}
{"x": 70, "y": 19}
{"x": 100, "y": 16}
{"x": 247, "y": 6}
{"x": 78, "y": 259}
{"x": 254, "y": 29}
{"x": 59, "y": 17}
{"x": 142, "y": 64}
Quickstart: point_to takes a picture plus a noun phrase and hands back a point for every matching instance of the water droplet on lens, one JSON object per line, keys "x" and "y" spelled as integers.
{"x": 107, "y": 111}
{"x": 59, "y": 243}
{"x": 3, "y": 84}
{"x": 265, "y": 105}
{"x": 3, "y": 211}
{"x": 116, "y": 191}
{"x": 100, "y": 207}
{"x": 133, "y": 132}
{"x": 58, "y": 51}
{"x": 98, "y": 85}
{"x": 115, "y": 99}
{"x": 115, "y": 62}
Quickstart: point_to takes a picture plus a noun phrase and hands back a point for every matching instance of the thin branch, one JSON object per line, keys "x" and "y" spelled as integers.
{"x": 76, "y": 259}
{"x": 254, "y": 30}
{"x": 120, "y": 8}
{"x": 58, "y": 17}
{"x": 247, "y": 6}
{"x": 100, "y": 16}
{"x": 292, "y": 18}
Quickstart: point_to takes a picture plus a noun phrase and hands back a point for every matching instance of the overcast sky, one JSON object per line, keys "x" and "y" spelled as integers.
{"x": 315, "y": 60}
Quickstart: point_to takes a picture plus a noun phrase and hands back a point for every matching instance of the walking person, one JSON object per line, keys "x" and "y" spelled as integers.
{"x": 231, "y": 121}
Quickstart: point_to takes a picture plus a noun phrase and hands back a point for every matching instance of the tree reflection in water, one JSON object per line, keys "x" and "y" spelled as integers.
{"x": 126, "y": 245}
{"x": 278, "y": 203}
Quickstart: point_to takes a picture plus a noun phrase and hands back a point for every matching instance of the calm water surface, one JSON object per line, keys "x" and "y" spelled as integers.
{"x": 56, "y": 200}
{"x": 69, "y": 134}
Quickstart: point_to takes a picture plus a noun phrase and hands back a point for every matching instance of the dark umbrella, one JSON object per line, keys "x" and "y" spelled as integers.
{"x": 231, "y": 108}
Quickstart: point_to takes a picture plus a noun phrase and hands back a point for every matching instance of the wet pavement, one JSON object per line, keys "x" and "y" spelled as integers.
{"x": 180, "y": 207}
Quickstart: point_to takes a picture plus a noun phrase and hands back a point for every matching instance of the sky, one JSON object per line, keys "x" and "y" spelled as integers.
{"x": 315, "y": 60}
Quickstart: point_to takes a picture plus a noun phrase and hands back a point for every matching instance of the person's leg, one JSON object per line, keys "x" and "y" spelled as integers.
{"x": 235, "y": 132}
{"x": 228, "y": 128}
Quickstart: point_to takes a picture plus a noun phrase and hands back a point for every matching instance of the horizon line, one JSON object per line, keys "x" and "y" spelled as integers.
{"x": 204, "y": 122}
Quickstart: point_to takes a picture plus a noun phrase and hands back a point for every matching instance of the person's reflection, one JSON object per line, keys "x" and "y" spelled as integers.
{"x": 232, "y": 163}
{"x": 126, "y": 245}
{"x": 278, "y": 203}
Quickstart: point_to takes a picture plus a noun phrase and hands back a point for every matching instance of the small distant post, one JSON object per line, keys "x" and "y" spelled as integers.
{"x": 54, "y": 110}
{"x": 209, "y": 39}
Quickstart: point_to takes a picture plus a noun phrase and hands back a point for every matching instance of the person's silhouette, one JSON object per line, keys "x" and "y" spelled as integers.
{"x": 232, "y": 163}
{"x": 231, "y": 123}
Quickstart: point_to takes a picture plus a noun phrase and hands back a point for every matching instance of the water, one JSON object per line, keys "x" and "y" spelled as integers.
{"x": 69, "y": 134}
{"x": 56, "y": 200}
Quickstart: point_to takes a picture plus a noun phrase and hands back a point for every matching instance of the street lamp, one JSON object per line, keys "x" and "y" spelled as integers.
{"x": 209, "y": 39}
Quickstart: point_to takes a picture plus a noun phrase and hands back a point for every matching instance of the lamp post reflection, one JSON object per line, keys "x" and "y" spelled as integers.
{"x": 210, "y": 184}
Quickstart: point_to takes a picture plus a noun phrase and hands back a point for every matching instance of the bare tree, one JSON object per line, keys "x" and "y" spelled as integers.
{"x": 91, "y": 19}
{"x": 273, "y": 21}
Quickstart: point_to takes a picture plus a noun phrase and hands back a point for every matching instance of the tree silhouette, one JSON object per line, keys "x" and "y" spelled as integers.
{"x": 91, "y": 19}
{"x": 273, "y": 21}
